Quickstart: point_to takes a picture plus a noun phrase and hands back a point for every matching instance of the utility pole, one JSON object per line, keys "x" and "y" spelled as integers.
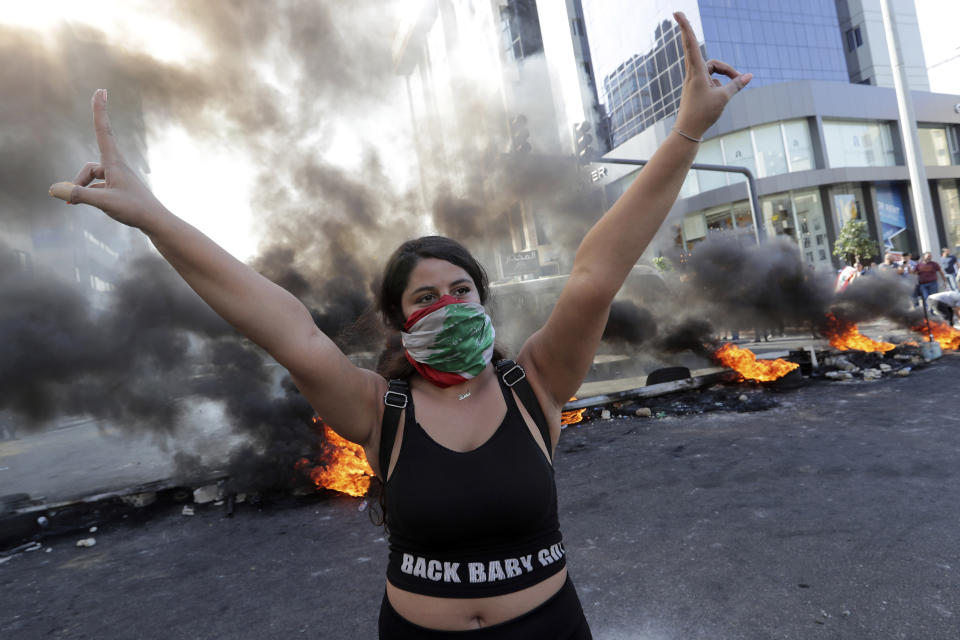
{"x": 920, "y": 188}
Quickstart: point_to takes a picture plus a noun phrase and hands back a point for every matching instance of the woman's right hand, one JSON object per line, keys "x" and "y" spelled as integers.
{"x": 109, "y": 185}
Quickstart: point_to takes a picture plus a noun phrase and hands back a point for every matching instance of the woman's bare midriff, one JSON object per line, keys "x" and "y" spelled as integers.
{"x": 462, "y": 614}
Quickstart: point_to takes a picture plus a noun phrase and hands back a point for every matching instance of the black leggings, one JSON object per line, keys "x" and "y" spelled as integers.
{"x": 559, "y": 618}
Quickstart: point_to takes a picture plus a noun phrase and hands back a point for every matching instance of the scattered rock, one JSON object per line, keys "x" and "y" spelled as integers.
{"x": 86, "y": 542}
{"x": 872, "y": 374}
{"x": 643, "y": 412}
{"x": 838, "y": 375}
{"x": 842, "y": 363}
{"x": 743, "y": 397}
{"x": 140, "y": 499}
{"x": 605, "y": 414}
{"x": 885, "y": 367}
{"x": 903, "y": 373}
{"x": 187, "y": 510}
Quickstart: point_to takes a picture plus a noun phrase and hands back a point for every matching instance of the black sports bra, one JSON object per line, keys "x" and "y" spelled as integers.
{"x": 477, "y": 523}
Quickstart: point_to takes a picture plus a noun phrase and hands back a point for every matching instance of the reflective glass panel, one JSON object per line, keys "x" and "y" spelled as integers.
{"x": 771, "y": 158}
{"x": 799, "y": 148}
{"x": 738, "y": 151}
{"x": 949, "y": 195}
{"x": 933, "y": 146}
{"x": 852, "y": 143}
{"x": 711, "y": 153}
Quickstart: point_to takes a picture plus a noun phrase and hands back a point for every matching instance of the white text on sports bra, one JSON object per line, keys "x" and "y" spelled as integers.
{"x": 479, "y": 572}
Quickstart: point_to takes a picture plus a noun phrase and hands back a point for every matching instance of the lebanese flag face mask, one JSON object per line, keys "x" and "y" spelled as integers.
{"x": 449, "y": 342}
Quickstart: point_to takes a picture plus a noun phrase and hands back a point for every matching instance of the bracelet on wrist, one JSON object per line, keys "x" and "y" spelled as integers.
{"x": 687, "y": 136}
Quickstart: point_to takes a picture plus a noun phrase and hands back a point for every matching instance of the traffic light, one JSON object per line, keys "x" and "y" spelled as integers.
{"x": 584, "y": 143}
{"x": 519, "y": 134}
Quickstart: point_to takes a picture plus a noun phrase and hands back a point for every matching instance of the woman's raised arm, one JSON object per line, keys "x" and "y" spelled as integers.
{"x": 561, "y": 352}
{"x": 346, "y": 396}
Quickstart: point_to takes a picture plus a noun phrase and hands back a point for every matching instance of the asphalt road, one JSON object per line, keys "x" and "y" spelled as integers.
{"x": 831, "y": 515}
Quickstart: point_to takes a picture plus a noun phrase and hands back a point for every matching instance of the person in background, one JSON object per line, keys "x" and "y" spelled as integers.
{"x": 890, "y": 265}
{"x": 927, "y": 273}
{"x": 908, "y": 266}
{"x": 948, "y": 262}
{"x": 847, "y": 275}
{"x": 946, "y": 304}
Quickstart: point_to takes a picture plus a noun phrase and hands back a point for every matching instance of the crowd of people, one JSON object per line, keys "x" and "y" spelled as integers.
{"x": 926, "y": 275}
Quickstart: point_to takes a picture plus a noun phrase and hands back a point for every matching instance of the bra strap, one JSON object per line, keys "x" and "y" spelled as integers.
{"x": 515, "y": 377}
{"x": 395, "y": 400}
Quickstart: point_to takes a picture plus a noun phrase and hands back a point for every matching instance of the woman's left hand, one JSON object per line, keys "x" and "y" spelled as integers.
{"x": 704, "y": 97}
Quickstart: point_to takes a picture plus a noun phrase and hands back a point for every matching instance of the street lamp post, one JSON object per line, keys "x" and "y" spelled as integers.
{"x": 922, "y": 203}
{"x": 758, "y": 230}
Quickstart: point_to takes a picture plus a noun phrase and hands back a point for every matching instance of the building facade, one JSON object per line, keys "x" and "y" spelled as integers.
{"x": 823, "y": 145}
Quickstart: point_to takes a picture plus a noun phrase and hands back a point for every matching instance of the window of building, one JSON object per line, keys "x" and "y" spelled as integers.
{"x": 711, "y": 153}
{"x": 855, "y": 143}
{"x": 948, "y": 192}
{"x": 933, "y": 146}
{"x": 738, "y": 151}
{"x": 847, "y": 200}
{"x": 798, "y": 215}
{"x": 771, "y": 158}
{"x": 796, "y": 134}
{"x": 856, "y": 34}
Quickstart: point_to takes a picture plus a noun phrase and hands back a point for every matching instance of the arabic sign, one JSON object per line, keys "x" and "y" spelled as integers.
{"x": 520, "y": 263}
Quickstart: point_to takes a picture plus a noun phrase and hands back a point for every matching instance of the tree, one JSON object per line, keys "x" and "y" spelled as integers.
{"x": 854, "y": 243}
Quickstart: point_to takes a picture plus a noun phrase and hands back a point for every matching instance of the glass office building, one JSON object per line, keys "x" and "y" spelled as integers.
{"x": 778, "y": 40}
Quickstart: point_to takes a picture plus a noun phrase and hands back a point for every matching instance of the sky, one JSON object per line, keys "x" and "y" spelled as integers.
{"x": 213, "y": 175}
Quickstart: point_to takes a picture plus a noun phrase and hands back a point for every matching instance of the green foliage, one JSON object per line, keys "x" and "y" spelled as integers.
{"x": 662, "y": 264}
{"x": 854, "y": 243}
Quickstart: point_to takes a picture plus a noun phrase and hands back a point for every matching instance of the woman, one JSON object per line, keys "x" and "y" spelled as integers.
{"x": 484, "y": 558}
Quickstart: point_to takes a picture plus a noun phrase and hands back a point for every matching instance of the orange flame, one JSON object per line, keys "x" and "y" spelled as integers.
{"x": 745, "y": 362}
{"x": 845, "y": 336}
{"x": 911, "y": 343}
{"x": 947, "y": 336}
{"x": 344, "y": 466}
{"x": 573, "y": 416}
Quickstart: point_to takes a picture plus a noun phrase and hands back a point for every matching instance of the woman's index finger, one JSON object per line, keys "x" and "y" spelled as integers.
{"x": 691, "y": 49}
{"x": 101, "y": 126}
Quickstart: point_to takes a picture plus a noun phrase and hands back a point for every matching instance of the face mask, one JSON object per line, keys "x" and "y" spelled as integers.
{"x": 449, "y": 342}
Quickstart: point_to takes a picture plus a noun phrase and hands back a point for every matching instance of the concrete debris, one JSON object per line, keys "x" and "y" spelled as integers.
{"x": 885, "y": 367}
{"x": 840, "y": 362}
{"x": 643, "y": 412}
{"x": 86, "y": 542}
{"x": 743, "y": 397}
{"x": 93, "y": 529}
{"x": 187, "y": 510}
{"x": 903, "y": 373}
{"x": 605, "y": 414}
{"x": 839, "y": 375}
{"x": 872, "y": 374}
{"x": 140, "y": 500}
